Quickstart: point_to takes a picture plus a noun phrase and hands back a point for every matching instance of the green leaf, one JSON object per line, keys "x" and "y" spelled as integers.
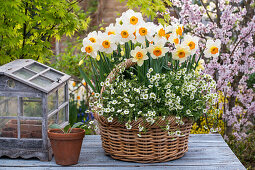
{"x": 75, "y": 126}
{"x": 66, "y": 128}
{"x": 85, "y": 77}
{"x": 96, "y": 77}
{"x": 56, "y": 126}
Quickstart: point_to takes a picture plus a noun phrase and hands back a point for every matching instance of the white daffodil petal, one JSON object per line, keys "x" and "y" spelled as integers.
{"x": 140, "y": 62}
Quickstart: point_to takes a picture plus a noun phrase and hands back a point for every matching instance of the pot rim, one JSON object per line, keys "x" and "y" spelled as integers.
{"x": 68, "y": 136}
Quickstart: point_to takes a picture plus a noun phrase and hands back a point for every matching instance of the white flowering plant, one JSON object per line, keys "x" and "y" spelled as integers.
{"x": 165, "y": 78}
{"x": 175, "y": 93}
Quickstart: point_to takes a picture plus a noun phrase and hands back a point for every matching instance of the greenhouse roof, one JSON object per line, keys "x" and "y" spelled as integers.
{"x": 34, "y": 74}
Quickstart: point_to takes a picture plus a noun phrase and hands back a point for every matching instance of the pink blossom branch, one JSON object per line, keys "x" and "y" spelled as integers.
{"x": 240, "y": 42}
{"x": 206, "y": 11}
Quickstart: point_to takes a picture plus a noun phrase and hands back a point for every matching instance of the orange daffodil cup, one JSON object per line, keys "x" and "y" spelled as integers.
{"x": 132, "y": 37}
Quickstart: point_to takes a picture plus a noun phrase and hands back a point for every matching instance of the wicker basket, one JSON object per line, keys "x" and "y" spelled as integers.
{"x": 156, "y": 145}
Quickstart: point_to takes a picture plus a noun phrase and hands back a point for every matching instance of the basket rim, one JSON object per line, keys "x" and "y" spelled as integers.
{"x": 159, "y": 123}
{"x": 127, "y": 64}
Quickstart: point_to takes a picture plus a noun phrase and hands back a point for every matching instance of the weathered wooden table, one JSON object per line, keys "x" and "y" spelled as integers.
{"x": 205, "y": 152}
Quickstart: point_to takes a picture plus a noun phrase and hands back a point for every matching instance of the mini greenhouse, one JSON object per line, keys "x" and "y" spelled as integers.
{"x": 32, "y": 97}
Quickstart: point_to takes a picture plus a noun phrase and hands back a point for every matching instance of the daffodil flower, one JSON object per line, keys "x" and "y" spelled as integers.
{"x": 139, "y": 55}
{"x": 111, "y": 29}
{"x": 174, "y": 38}
{"x": 93, "y": 37}
{"x": 178, "y": 29}
{"x": 119, "y": 20}
{"x": 192, "y": 43}
{"x": 124, "y": 34}
{"x": 212, "y": 48}
{"x": 181, "y": 52}
{"x": 160, "y": 33}
{"x": 90, "y": 48}
{"x": 131, "y": 18}
{"x": 158, "y": 50}
{"x": 106, "y": 43}
{"x": 145, "y": 31}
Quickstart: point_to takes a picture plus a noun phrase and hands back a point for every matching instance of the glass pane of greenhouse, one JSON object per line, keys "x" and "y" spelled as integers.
{"x": 61, "y": 95}
{"x": 32, "y": 107}
{"x": 52, "y": 120}
{"x": 62, "y": 116}
{"x": 36, "y": 67}
{"x": 41, "y": 81}
{"x": 8, "y": 106}
{"x": 23, "y": 73}
{"x": 52, "y": 102}
{"x": 8, "y": 128}
{"x": 31, "y": 129}
{"x": 53, "y": 75}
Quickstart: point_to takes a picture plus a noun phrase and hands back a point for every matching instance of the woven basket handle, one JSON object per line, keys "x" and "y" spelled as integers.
{"x": 127, "y": 64}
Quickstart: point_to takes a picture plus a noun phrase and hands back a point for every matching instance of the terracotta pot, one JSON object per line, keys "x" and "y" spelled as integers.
{"x": 66, "y": 147}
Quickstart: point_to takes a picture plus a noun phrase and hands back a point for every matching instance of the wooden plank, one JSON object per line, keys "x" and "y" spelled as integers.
{"x": 128, "y": 168}
{"x": 202, "y": 154}
{"x": 23, "y": 143}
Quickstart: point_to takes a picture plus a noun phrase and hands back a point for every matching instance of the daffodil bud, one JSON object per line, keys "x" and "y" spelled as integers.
{"x": 98, "y": 57}
{"x": 81, "y": 62}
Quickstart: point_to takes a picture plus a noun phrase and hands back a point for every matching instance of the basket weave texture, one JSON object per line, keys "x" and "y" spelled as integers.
{"x": 154, "y": 145}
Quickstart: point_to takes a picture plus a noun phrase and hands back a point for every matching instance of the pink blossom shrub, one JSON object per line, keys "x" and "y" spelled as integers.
{"x": 233, "y": 22}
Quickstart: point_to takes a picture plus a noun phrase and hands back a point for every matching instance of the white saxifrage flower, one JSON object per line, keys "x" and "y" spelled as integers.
{"x": 181, "y": 53}
{"x": 125, "y": 33}
{"x": 212, "y": 48}
{"x": 158, "y": 50}
{"x": 192, "y": 42}
{"x": 110, "y": 119}
{"x": 90, "y": 48}
{"x": 128, "y": 126}
{"x": 106, "y": 43}
{"x": 131, "y": 18}
{"x": 139, "y": 55}
{"x": 145, "y": 31}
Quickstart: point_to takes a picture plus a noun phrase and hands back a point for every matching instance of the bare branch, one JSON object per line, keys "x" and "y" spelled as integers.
{"x": 218, "y": 13}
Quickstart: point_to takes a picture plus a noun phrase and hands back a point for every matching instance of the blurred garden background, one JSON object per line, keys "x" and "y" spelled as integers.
{"x": 51, "y": 32}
